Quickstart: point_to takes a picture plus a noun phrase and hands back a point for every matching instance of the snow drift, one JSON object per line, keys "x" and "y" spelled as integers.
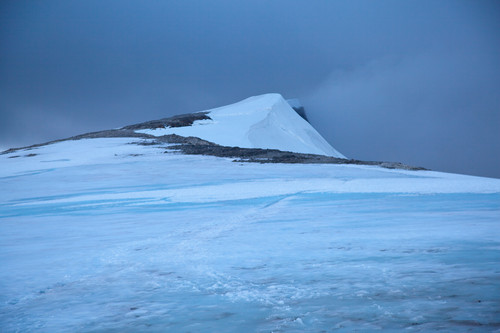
{"x": 265, "y": 121}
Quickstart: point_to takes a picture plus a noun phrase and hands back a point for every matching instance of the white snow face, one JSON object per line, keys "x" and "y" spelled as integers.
{"x": 265, "y": 121}
{"x": 100, "y": 235}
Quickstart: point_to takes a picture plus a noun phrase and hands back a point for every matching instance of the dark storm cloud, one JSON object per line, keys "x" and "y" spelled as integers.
{"x": 411, "y": 81}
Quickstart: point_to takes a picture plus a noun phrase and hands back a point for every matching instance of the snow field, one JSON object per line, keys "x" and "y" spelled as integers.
{"x": 104, "y": 235}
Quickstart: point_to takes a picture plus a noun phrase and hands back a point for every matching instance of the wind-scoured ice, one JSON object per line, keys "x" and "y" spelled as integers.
{"x": 107, "y": 235}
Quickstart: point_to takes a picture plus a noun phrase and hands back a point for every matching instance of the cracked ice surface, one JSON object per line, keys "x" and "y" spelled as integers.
{"x": 101, "y": 235}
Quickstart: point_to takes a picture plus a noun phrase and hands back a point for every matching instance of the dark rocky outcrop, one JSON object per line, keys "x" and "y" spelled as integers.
{"x": 298, "y": 107}
{"x": 176, "y": 121}
{"x": 302, "y": 112}
{"x": 257, "y": 155}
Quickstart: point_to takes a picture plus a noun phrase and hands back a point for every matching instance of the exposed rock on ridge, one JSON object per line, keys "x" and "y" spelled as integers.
{"x": 196, "y": 146}
{"x": 176, "y": 121}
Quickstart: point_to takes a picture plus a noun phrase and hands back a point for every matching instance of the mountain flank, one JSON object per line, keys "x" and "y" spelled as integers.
{"x": 260, "y": 129}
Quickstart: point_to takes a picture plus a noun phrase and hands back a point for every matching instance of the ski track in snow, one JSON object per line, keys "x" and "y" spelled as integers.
{"x": 102, "y": 235}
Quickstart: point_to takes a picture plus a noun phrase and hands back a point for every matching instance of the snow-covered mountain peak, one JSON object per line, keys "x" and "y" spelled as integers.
{"x": 265, "y": 121}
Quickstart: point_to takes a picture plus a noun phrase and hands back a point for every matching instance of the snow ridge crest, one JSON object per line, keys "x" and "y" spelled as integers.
{"x": 265, "y": 121}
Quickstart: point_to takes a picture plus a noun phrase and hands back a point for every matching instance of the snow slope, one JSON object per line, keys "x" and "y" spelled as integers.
{"x": 107, "y": 235}
{"x": 265, "y": 121}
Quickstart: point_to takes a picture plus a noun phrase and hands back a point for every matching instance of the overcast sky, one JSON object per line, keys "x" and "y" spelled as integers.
{"x": 410, "y": 81}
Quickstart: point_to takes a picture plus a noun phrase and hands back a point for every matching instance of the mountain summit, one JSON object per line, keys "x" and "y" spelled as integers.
{"x": 266, "y": 121}
{"x": 264, "y": 129}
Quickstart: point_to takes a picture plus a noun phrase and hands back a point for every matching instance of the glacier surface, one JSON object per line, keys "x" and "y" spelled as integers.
{"x": 108, "y": 235}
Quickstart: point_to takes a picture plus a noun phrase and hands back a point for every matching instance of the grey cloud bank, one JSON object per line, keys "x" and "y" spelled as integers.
{"x": 410, "y": 81}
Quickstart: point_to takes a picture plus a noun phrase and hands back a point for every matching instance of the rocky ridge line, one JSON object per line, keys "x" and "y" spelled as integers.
{"x": 196, "y": 146}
